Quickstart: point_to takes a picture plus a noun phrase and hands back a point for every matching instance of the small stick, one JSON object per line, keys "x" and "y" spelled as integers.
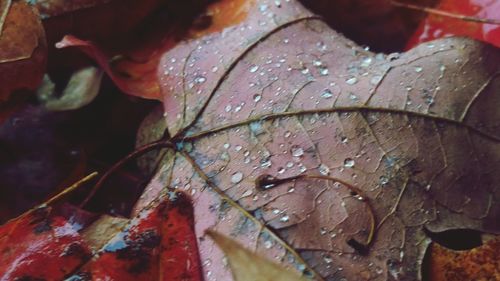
{"x": 60, "y": 195}
{"x": 133, "y": 155}
{"x": 444, "y": 13}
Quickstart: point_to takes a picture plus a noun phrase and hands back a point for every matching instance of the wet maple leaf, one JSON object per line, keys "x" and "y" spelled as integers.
{"x": 323, "y": 156}
{"x": 23, "y": 49}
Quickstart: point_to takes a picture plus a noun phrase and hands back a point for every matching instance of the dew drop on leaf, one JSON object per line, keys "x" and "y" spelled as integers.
{"x": 257, "y": 98}
{"x": 349, "y": 163}
{"x": 352, "y": 80}
{"x": 237, "y": 177}
{"x": 200, "y": 79}
{"x": 254, "y": 68}
{"x": 324, "y": 170}
{"x": 383, "y": 180}
{"x": 297, "y": 151}
{"x": 327, "y": 94}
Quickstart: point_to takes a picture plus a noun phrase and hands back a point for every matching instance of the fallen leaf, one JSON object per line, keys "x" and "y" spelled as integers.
{"x": 141, "y": 85}
{"x": 480, "y": 263}
{"x": 41, "y": 244}
{"x": 139, "y": 77}
{"x": 82, "y": 88}
{"x": 438, "y": 26}
{"x": 325, "y": 157}
{"x": 247, "y": 266}
{"x": 157, "y": 244}
{"x": 23, "y": 49}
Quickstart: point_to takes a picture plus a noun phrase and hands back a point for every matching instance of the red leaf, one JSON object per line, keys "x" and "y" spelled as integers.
{"x": 40, "y": 245}
{"x": 158, "y": 244}
{"x": 179, "y": 257}
{"x": 144, "y": 84}
{"x": 436, "y": 26}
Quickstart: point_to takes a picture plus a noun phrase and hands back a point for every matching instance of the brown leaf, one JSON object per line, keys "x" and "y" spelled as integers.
{"x": 314, "y": 152}
{"x": 247, "y": 266}
{"x": 480, "y": 263}
{"x": 23, "y": 49}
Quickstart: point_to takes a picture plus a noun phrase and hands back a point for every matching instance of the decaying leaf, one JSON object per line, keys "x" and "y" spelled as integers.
{"x": 247, "y": 266}
{"x": 23, "y": 49}
{"x": 57, "y": 241}
{"x": 82, "y": 88}
{"x": 311, "y": 151}
{"x": 482, "y": 263}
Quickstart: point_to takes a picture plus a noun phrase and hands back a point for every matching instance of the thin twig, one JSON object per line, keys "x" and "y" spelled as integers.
{"x": 60, "y": 195}
{"x": 445, "y": 13}
{"x": 267, "y": 180}
{"x": 136, "y": 153}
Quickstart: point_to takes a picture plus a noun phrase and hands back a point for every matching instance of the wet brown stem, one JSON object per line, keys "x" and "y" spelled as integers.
{"x": 133, "y": 155}
{"x": 264, "y": 182}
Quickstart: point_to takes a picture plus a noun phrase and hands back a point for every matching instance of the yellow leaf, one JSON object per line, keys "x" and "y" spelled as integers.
{"x": 248, "y": 266}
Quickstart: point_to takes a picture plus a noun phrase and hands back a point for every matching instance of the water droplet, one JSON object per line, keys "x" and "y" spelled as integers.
{"x": 366, "y": 62}
{"x": 268, "y": 244}
{"x": 302, "y": 168}
{"x": 324, "y": 170}
{"x": 284, "y": 218}
{"x": 305, "y": 70}
{"x": 265, "y": 163}
{"x": 327, "y": 94}
{"x": 344, "y": 139}
{"x": 228, "y": 108}
{"x": 287, "y": 134}
{"x": 297, "y": 151}
{"x": 348, "y": 163}
{"x": 200, "y": 79}
{"x": 323, "y": 71}
{"x": 328, "y": 259}
{"x": 418, "y": 69}
{"x": 352, "y": 80}
{"x": 383, "y": 180}
{"x": 254, "y": 68}
{"x": 214, "y": 69}
{"x": 322, "y": 231}
{"x": 353, "y": 97}
{"x": 237, "y": 177}
{"x": 257, "y": 97}
{"x": 281, "y": 170}
{"x": 238, "y": 147}
{"x": 227, "y": 145}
